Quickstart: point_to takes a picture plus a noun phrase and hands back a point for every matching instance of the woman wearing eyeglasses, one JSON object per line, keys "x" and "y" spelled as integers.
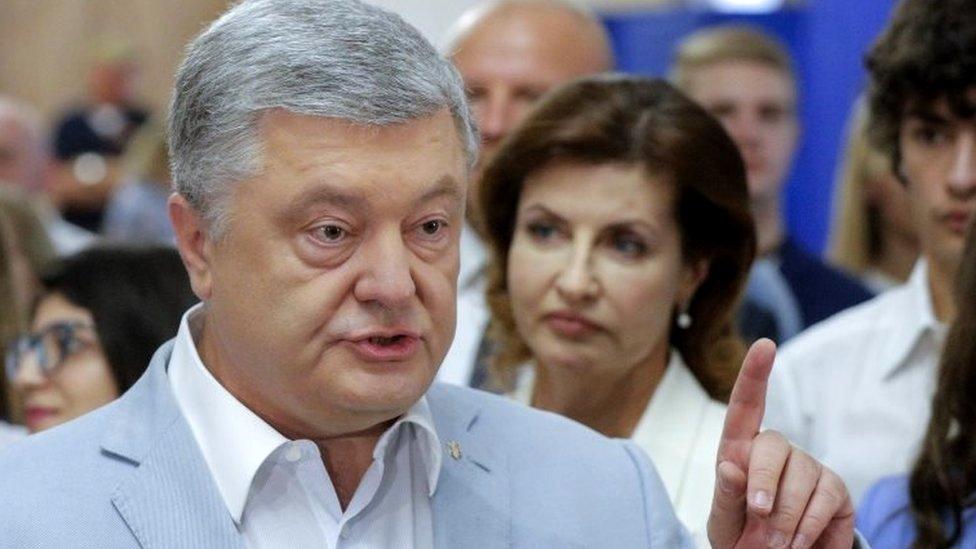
{"x": 101, "y": 315}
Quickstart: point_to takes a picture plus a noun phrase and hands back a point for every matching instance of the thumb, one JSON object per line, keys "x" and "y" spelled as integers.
{"x": 728, "y": 516}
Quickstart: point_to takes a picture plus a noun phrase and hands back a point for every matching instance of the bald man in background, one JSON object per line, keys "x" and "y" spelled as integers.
{"x": 509, "y": 53}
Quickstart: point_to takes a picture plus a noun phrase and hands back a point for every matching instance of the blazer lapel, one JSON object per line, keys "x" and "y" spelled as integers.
{"x": 471, "y": 505}
{"x": 170, "y": 499}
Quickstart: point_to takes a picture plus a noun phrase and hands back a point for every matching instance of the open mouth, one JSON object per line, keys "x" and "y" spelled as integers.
{"x": 386, "y": 348}
{"x": 386, "y": 341}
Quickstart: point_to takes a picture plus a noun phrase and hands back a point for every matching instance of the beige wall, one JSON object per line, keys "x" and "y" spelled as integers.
{"x": 46, "y": 45}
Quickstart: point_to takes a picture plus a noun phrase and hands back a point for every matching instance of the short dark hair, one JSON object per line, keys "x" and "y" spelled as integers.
{"x": 926, "y": 54}
{"x": 647, "y": 123}
{"x": 136, "y": 297}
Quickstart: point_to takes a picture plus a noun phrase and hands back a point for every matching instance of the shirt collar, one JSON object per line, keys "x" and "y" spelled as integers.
{"x": 911, "y": 320}
{"x": 235, "y": 442}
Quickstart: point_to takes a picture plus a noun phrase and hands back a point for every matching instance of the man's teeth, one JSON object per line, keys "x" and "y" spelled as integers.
{"x": 384, "y": 340}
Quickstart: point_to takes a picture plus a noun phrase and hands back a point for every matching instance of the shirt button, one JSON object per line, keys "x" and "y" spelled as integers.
{"x": 293, "y": 453}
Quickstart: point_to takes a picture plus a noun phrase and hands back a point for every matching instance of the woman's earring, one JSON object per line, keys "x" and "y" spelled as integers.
{"x": 684, "y": 319}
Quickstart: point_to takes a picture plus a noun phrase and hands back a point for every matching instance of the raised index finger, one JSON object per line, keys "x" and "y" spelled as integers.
{"x": 748, "y": 401}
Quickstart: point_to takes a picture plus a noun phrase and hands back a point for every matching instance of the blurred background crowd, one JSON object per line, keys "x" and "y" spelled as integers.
{"x": 788, "y": 217}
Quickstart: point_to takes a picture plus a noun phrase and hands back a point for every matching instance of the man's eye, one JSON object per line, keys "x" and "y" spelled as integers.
{"x": 929, "y": 135}
{"x": 433, "y": 227}
{"x": 331, "y": 233}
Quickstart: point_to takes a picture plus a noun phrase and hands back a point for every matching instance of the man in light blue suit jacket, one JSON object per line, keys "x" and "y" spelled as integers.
{"x": 131, "y": 475}
{"x": 320, "y": 150}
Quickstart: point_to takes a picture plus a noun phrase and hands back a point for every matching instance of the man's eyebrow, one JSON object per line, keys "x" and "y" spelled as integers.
{"x": 446, "y": 186}
{"x": 928, "y": 116}
{"x": 321, "y": 194}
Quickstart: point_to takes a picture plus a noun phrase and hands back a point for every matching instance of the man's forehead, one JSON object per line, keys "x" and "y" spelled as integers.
{"x": 742, "y": 79}
{"x": 549, "y": 38}
{"x": 948, "y": 107}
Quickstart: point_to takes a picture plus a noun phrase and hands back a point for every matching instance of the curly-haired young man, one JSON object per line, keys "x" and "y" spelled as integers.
{"x": 855, "y": 390}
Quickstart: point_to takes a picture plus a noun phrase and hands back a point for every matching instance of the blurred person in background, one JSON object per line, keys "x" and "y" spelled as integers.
{"x": 25, "y": 250}
{"x": 873, "y": 236}
{"x": 509, "y": 53}
{"x": 89, "y": 138}
{"x": 932, "y": 506}
{"x": 136, "y": 213}
{"x": 612, "y": 303}
{"x": 26, "y": 169}
{"x": 101, "y": 316}
{"x": 746, "y": 79}
{"x": 855, "y": 391}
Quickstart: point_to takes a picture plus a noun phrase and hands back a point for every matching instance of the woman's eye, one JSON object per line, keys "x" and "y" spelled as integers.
{"x": 629, "y": 246}
{"x": 541, "y": 231}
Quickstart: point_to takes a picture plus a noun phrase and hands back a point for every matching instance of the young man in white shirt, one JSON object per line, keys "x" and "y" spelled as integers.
{"x": 855, "y": 389}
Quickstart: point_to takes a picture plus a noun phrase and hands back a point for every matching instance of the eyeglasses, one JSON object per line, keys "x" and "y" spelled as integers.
{"x": 49, "y": 347}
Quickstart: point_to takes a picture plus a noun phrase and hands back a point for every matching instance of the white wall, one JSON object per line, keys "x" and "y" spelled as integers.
{"x": 433, "y": 17}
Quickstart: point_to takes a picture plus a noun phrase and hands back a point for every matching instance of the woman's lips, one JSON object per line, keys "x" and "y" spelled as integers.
{"x": 37, "y": 415}
{"x": 571, "y": 325}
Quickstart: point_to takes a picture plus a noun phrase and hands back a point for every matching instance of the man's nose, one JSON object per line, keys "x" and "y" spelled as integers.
{"x": 497, "y": 115}
{"x": 387, "y": 277}
{"x": 962, "y": 177}
{"x": 577, "y": 282}
{"x": 744, "y": 129}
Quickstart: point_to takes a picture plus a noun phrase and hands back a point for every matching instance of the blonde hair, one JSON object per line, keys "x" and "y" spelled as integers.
{"x": 854, "y": 242}
{"x": 728, "y": 43}
{"x": 21, "y": 232}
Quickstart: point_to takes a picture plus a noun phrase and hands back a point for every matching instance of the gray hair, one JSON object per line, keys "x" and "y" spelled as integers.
{"x": 331, "y": 58}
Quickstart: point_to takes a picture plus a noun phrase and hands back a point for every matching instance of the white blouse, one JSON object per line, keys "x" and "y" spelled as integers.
{"x": 680, "y": 431}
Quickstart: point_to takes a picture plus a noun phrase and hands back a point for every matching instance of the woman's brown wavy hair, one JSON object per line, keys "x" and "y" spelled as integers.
{"x": 943, "y": 481}
{"x": 638, "y": 121}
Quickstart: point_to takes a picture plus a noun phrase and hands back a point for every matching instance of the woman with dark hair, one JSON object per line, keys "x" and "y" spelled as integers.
{"x": 935, "y": 505}
{"x": 101, "y": 315}
{"x": 621, "y": 238}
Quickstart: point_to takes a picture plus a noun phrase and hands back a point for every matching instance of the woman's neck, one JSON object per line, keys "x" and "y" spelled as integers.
{"x": 611, "y": 405}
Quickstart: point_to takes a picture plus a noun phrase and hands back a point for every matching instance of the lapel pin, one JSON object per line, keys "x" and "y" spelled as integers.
{"x": 454, "y": 448}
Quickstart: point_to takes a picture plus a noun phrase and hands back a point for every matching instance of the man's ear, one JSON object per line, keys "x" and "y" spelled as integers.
{"x": 194, "y": 244}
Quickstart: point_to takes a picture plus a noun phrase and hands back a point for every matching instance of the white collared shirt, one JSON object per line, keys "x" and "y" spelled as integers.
{"x": 855, "y": 390}
{"x": 680, "y": 431}
{"x": 472, "y": 312}
{"x": 278, "y": 491}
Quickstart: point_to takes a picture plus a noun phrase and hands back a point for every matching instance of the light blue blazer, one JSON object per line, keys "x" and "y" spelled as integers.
{"x": 131, "y": 475}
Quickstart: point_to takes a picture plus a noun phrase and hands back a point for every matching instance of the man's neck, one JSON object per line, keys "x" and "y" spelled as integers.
{"x": 769, "y": 226}
{"x": 942, "y": 282}
{"x": 897, "y": 257}
{"x": 348, "y": 457}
